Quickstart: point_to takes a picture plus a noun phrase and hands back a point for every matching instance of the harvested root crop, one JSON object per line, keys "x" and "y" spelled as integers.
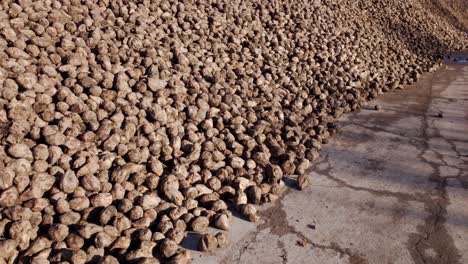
{"x": 124, "y": 124}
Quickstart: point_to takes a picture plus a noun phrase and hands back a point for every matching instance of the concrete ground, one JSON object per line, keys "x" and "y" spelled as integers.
{"x": 390, "y": 187}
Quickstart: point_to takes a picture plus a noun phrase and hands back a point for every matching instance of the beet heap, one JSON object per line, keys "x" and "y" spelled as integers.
{"x": 125, "y": 123}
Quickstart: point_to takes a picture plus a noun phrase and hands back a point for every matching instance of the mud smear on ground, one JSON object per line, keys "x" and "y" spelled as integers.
{"x": 276, "y": 220}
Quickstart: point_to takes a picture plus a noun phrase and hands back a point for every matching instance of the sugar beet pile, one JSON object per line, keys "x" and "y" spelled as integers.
{"x": 123, "y": 125}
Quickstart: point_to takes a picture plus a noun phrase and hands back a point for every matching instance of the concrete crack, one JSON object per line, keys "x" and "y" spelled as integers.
{"x": 279, "y": 226}
{"x": 353, "y": 257}
{"x": 433, "y": 244}
{"x": 380, "y": 129}
{"x": 343, "y": 184}
{"x": 245, "y": 248}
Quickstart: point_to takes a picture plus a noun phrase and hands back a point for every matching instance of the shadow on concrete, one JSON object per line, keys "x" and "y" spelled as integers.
{"x": 191, "y": 240}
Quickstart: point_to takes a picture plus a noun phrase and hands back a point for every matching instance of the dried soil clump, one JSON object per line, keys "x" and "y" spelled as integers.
{"x": 124, "y": 124}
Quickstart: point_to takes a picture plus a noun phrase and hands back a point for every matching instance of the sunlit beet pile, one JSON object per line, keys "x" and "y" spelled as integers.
{"x": 124, "y": 124}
